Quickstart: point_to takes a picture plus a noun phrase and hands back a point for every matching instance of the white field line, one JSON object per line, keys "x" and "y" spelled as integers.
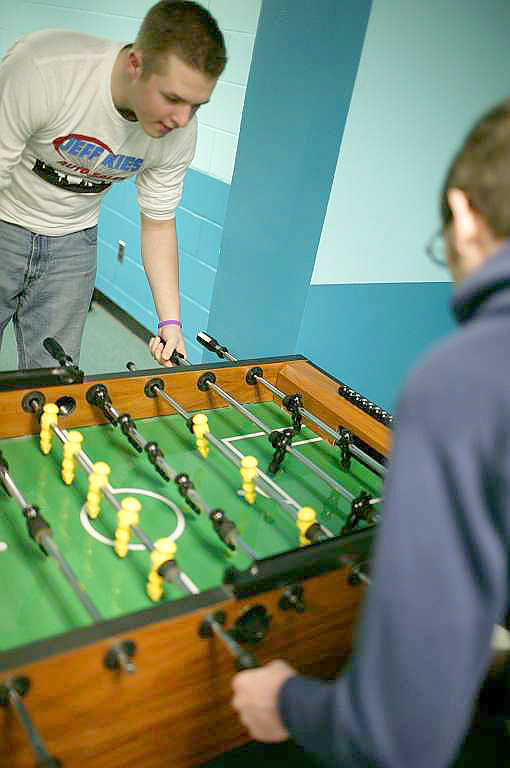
{"x": 262, "y": 434}
{"x": 267, "y": 479}
{"x": 179, "y": 529}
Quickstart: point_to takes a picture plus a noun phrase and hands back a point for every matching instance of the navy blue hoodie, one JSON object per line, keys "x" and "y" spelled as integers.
{"x": 441, "y": 559}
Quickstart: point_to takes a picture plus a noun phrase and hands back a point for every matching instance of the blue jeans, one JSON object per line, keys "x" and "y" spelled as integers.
{"x": 46, "y": 285}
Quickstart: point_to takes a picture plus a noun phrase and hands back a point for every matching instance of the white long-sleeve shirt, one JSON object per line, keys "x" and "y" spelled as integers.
{"x": 63, "y": 142}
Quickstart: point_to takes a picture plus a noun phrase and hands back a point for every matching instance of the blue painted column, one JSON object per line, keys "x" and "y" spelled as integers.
{"x": 302, "y": 75}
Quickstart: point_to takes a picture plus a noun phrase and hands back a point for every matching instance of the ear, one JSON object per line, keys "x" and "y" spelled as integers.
{"x": 135, "y": 63}
{"x": 466, "y": 221}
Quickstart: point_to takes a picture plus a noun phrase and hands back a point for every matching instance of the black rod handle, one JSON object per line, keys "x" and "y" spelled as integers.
{"x": 55, "y": 350}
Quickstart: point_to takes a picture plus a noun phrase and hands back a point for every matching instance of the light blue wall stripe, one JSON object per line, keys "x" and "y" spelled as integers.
{"x": 373, "y": 332}
{"x": 427, "y": 71}
{"x": 303, "y": 69}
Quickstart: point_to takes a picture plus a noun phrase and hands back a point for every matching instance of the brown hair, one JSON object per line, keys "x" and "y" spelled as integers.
{"x": 183, "y": 28}
{"x": 481, "y": 169}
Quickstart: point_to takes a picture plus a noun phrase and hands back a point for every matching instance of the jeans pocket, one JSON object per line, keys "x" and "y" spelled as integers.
{"x": 90, "y": 235}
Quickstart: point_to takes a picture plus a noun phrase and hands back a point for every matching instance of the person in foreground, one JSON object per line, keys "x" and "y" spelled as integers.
{"x": 441, "y": 561}
{"x": 78, "y": 114}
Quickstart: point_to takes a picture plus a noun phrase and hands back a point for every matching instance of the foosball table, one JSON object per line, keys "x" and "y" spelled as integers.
{"x": 161, "y": 529}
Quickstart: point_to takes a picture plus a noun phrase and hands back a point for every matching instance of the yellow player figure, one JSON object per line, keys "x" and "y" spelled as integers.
{"x": 248, "y": 471}
{"x": 200, "y": 427}
{"x": 128, "y": 515}
{"x": 49, "y": 417}
{"x": 97, "y": 478}
{"x": 304, "y": 519}
{"x": 164, "y": 549}
{"x": 71, "y": 448}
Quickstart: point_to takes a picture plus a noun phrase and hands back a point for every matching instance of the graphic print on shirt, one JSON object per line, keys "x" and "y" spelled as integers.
{"x": 89, "y": 157}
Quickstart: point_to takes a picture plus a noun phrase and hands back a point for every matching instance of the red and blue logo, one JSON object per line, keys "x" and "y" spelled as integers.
{"x": 88, "y": 155}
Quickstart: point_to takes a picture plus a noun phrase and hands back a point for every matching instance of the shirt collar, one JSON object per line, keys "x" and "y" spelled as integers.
{"x": 475, "y": 289}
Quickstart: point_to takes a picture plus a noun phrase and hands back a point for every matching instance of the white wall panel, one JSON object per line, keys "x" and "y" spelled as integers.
{"x": 203, "y": 152}
{"x": 223, "y": 154}
{"x": 238, "y": 15}
{"x": 225, "y": 108}
{"x": 240, "y": 49}
{"x": 222, "y": 117}
{"x": 75, "y": 15}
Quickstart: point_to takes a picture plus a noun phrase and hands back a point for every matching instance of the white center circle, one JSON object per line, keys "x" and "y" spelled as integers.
{"x": 179, "y": 528}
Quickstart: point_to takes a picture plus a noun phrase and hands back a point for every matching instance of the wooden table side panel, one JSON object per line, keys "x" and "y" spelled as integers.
{"x": 175, "y": 710}
{"x": 320, "y": 396}
{"x": 127, "y": 394}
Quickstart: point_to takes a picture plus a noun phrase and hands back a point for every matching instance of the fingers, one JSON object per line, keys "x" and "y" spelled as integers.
{"x": 163, "y": 346}
{"x": 180, "y": 346}
{"x": 157, "y": 350}
{"x": 255, "y": 700}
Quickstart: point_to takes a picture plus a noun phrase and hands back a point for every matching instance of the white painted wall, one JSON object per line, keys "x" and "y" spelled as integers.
{"x": 220, "y": 120}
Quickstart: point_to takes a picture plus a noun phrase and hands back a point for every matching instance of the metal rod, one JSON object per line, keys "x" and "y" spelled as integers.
{"x": 364, "y": 457}
{"x": 231, "y": 644}
{"x": 299, "y": 456}
{"x": 184, "y": 581}
{"x": 262, "y": 481}
{"x": 51, "y": 548}
{"x": 33, "y": 736}
{"x": 12, "y": 490}
{"x": 245, "y": 547}
{"x": 239, "y": 407}
{"x": 376, "y": 466}
{"x": 107, "y": 491}
{"x": 227, "y": 451}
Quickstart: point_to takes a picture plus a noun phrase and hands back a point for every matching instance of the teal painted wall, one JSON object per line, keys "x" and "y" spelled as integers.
{"x": 303, "y": 70}
{"x": 369, "y": 335}
{"x": 200, "y": 219}
{"x": 333, "y": 265}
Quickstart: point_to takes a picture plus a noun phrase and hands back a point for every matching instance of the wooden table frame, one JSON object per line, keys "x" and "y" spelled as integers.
{"x": 174, "y": 710}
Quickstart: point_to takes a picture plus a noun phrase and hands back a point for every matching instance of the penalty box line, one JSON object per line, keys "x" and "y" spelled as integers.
{"x": 235, "y": 438}
{"x": 263, "y": 434}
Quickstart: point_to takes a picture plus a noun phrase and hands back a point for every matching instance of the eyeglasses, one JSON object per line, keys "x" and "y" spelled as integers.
{"x": 436, "y": 249}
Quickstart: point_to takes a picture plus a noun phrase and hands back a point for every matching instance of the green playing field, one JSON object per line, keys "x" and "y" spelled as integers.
{"x": 39, "y": 603}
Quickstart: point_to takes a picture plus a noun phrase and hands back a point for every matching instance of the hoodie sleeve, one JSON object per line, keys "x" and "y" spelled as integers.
{"x": 440, "y": 583}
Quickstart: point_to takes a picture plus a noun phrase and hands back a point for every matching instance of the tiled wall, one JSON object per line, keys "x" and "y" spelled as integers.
{"x": 200, "y": 220}
{"x": 201, "y": 216}
{"x": 220, "y": 120}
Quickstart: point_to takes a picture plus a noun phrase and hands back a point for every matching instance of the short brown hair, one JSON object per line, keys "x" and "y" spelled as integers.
{"x": 183, "y": 28}
{"x": 481, "y": 169}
